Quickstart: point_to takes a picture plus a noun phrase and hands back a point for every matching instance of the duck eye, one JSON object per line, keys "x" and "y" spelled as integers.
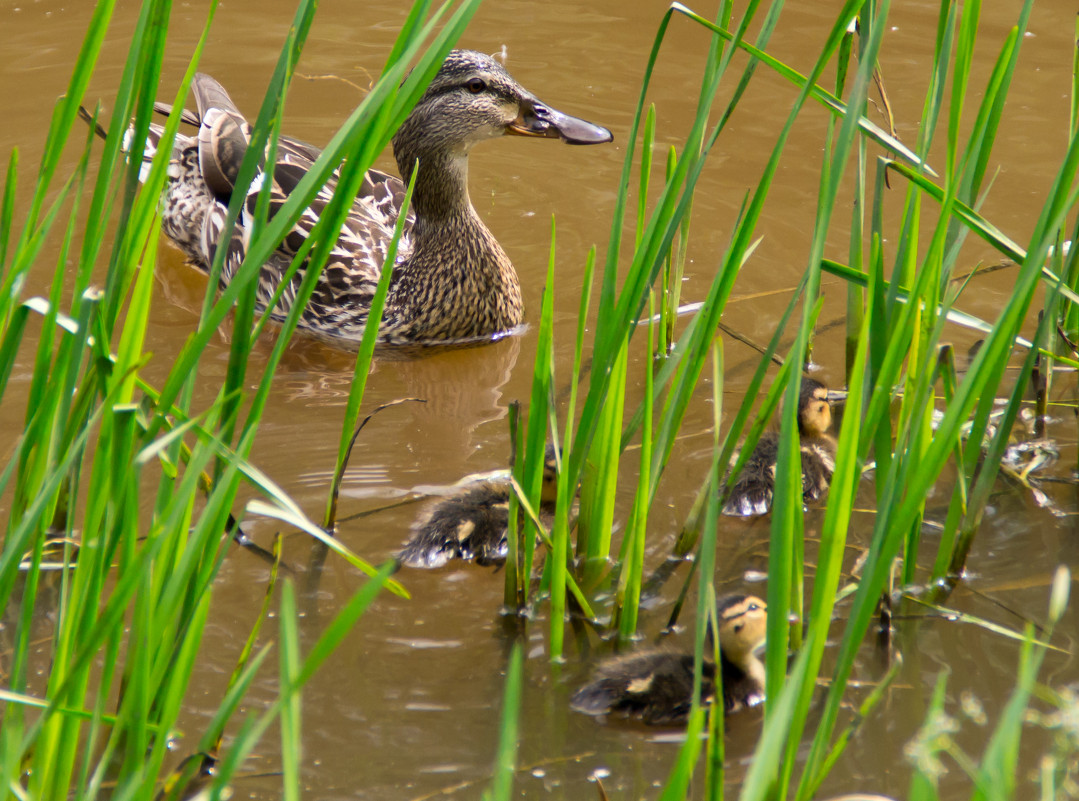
{"x": 475, "y": 85}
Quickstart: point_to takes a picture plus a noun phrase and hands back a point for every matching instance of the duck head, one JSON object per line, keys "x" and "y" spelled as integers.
{"x": 743, "y": 623}
{"x": 473, "y": 98}
{"x": 814, "y": 408}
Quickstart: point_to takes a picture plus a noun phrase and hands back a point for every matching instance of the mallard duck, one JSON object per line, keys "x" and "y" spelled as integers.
{"x": 657, "y": 686}
{"x": 752, "y": 492}
{"x": 452, "y": 281}
{"x": 473, "y": 523}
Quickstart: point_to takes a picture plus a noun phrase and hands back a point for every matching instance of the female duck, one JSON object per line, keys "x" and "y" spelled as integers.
{"x": 452, "y": 281}
{"x": 752, "y": 492}
{"x": 473, "y": 523}
{"x": 657, "y": 686}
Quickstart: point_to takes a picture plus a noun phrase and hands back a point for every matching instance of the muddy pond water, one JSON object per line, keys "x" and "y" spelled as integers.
{"x": 408, "y": 707}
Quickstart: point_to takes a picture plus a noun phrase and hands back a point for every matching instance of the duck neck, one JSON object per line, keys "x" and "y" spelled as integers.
{"x": 441, "y": 190}
{"x": 457, "y": 283}
{"x": 748, "y": 666}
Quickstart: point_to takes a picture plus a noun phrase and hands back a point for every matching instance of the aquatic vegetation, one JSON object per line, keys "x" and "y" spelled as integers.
{"x": 135, "y": 583}
{"x": 132, "y": 596}
{"x": 898, "y": 364}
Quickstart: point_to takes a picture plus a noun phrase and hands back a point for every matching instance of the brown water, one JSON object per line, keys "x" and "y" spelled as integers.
{"x": 409, "y": 705}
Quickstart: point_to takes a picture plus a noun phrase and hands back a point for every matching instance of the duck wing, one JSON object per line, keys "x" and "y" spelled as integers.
{"x": 470, "y": 525}
{"x": 752, "y": 492}
{"x": 655, "y": 685}
{"x": 348, "y": 282}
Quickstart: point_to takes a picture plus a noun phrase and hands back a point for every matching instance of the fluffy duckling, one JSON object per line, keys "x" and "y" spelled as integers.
{"x": 657, "y": 686}
{"x": 752, "y": 492}
{"x": 472, "y": 524}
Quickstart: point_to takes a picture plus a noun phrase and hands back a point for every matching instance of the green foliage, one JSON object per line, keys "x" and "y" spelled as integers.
{"x": 132, "y": 595}
{"x": 897, "y": 364}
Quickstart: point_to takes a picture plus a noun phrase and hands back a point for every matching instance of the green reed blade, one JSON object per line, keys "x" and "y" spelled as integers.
{"x": 364, "y": 356}
{"x": 600, "y": 480}
{"x": 927, "y": 744}
{"x": 506, "y": 757}
{"x": 826, "y": 98}
{"x": 63, "y": 119}
{"x": 7, "y": 213}
{"x": 628, "y": 595}
{"x": 303, "y": 523}
{"x": 764, "y": 771}
{"x": 289, "y": 667}
{"x": 997, "y": 772}
{"x": 529, "y": 468}
{"x": 706, "y": 601}
{"x": 678, "y": 783}
{"x": 841, "y": 499}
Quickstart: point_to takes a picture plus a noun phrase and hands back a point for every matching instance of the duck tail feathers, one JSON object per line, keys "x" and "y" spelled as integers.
{"x": 186, "y": 115}
{"x": 153, "y": 140}
{"x": 211, "y": 94}
{"x": 91, "y": 120}
{"x": 424, "y": 555}
{"x": 597, "y": 698}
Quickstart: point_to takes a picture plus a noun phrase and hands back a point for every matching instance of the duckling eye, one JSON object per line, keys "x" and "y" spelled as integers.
{"x": 475, "y": 85}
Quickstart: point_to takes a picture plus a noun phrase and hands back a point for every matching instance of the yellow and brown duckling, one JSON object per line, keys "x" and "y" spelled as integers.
{"x": 472, "y": 524}
{"x": 657, "y": 686}
{"x": 452, "y": 281}
{"x": 752, "y": 492}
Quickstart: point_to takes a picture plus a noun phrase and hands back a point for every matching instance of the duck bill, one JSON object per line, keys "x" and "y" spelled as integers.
{"x": 537, "y": 119}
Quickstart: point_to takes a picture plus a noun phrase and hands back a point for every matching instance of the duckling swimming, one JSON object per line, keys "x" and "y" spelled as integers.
{"x": 452, "y": 281}
{"x": 752, "y": 492}
{"x": 473, "y": 523}
{"x": 657, "y": 686}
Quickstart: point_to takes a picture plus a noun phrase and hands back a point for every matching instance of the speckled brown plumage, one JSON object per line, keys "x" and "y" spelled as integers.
{"x": 752, "y": 492}
{"x": 472, "y": 524}
{"x": 657, "y": 686}
{"x": 452, "y": 281}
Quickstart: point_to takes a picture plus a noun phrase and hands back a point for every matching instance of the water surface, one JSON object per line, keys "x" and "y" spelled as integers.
{"x": 409, "y": 705}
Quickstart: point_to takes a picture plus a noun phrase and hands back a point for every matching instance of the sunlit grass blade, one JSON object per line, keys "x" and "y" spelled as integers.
{"x": 291, "y": 749}
{"x": 506, "y": 759}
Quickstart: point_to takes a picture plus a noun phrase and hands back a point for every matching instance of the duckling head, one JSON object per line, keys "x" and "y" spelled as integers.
{"x": 473, "y": 98}
{"x": 814, "y": 410}
{"x": 549, "y": 490}
{"x": 743, "y": 621}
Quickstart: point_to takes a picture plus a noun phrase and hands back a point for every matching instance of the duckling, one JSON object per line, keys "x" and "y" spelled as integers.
{"x": 452, "y": 281}
{"x": 473, "y": 523}
{"x": 752, "y": 492}
{"x": 657, "y": 686}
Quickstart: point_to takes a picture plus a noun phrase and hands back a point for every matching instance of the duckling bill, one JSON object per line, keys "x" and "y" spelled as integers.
{"x": 657, "y": 686}
{"x": 452, "y": 282}
{"x": 472, "y": 524}
{"x": 753, "y": 491}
